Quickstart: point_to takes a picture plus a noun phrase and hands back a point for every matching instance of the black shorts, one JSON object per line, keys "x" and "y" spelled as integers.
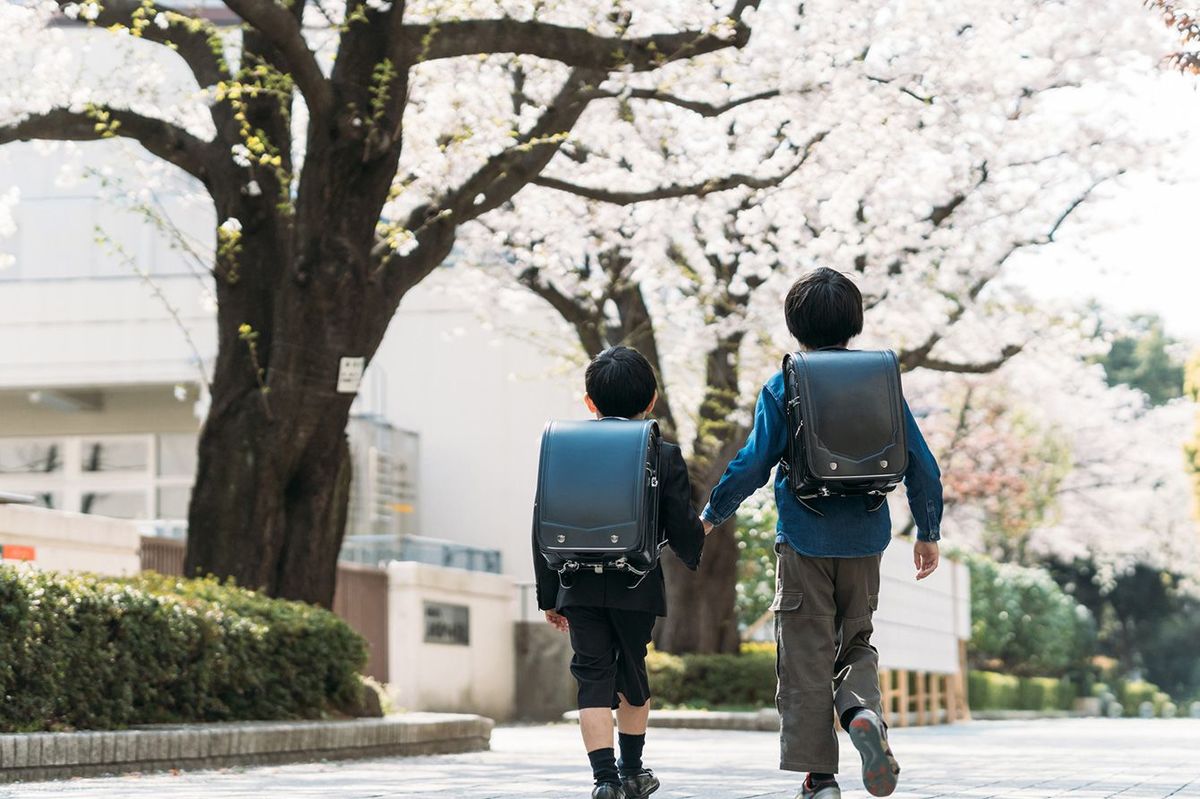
{"x": 610, "y": 654}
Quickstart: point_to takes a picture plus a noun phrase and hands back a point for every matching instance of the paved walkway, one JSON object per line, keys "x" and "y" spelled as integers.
{"x": 1078, "y": 759}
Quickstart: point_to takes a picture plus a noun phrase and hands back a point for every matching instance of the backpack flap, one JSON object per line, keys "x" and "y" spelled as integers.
{"x": 852, "y": 406}
{"x": 592, "y": 497}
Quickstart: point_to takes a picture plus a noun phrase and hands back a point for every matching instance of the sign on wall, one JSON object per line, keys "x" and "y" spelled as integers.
{"x": 447, "y": 624}
{"x": 15, "y": 552}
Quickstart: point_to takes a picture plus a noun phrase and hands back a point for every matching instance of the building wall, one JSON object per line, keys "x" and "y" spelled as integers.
{"x": 479, "y": 401}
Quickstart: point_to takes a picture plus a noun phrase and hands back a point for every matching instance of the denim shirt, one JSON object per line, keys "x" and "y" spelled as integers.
{"x": 846, "y": 529}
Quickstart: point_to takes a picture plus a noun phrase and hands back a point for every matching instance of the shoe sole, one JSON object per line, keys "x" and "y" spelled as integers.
{"x": 877, "y": 773}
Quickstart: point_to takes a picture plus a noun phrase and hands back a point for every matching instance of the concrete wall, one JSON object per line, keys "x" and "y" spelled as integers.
{"x": 545, "y": 687}
{"x": 72, "y": 541}
{"x": 919, "y": 625}
{"x": 479, "y": 677}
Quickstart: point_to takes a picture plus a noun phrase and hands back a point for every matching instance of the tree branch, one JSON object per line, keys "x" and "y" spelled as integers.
{"x": 943, "y": 212}
{"x": 195, "y": 40}
{"x": 919, "y": 356}
{"x": 167, "y": 141}
{"x": 433, "y": 224}
{"x": 675, "y": 190}
{"x": 282, "y": 29}
{"x": 984, "y": 367}
{"x": 507, "y": 172}
{"x": 571, "y": 46}
{"x": 587, "y": 326}
{"x": 702, "y": 108}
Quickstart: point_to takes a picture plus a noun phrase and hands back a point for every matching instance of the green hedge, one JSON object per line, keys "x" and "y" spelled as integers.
{"x": 987, "y": 690}
{"x": 745, "y": 679}
{"x": 84, "y": 652}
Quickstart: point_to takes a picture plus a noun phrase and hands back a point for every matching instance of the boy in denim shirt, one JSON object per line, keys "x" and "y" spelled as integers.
{"x": 827, "y": 580}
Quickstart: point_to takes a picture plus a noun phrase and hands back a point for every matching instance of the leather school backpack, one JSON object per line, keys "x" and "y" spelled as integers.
{"x": 845, "y": 416}
{"x": 597, "y": 496}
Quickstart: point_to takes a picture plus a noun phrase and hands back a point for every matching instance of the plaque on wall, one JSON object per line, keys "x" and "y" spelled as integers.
{"x": 447, "y": 624}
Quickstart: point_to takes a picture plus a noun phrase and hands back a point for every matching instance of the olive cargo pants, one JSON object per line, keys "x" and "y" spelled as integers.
{"x": 825, "y": 661}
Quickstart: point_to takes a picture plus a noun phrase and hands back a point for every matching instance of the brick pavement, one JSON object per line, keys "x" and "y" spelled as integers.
{"x": 1076, "y": 759}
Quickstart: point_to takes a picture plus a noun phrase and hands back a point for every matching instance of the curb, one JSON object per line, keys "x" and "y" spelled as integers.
{"x": 765, "y": 720}
{"x": 59, "y": 755}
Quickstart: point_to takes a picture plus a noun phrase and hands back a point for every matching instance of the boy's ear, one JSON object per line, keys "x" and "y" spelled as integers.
{"x": 591, "y": 406}
{"x": 650, "y": 407}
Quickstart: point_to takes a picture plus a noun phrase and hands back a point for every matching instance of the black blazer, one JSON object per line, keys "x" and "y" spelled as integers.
{"x": 611, "y": 589}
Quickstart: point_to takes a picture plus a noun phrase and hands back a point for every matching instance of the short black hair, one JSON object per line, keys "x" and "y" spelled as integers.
{"x": 824, "y": 309}
{"x": 620, "y": 382}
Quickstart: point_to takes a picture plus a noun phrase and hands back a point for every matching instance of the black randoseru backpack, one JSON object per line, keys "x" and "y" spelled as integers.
{"x": 845, "y": 415}
{"x": 597, "y": 496}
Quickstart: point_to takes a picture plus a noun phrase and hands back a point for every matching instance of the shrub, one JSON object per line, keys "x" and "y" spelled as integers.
{"x": 987, "y": 690}
{"x": 1023, "y": 623}
{"x": 80, "y": 651}
{"x": 1133, "y": 693}
{"x": 747, "y": 678}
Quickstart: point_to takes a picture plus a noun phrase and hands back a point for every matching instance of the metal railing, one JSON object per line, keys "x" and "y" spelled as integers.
{"x": 371, "y": 550}
{"x": 378, "y": 549}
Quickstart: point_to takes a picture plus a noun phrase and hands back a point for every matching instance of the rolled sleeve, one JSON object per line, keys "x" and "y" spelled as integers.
{"x": 923, "y": 483}
{"x": 751, "y": 467}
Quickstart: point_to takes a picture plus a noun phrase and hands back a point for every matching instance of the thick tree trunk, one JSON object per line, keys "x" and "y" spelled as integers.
{"x": 270, "y": 501}
{"x": 269, "y": 509}
{"x": 701, "y": 604}
{"x": 703, "y": 615}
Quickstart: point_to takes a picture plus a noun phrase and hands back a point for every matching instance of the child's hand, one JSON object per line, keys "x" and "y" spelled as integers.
{"x": 558, "y": 621}
{"x": 708, "y": 526}
{"x": 925, "y": 558}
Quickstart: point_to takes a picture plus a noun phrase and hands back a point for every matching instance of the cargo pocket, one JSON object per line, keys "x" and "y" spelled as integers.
{"x": 787, "y": 601}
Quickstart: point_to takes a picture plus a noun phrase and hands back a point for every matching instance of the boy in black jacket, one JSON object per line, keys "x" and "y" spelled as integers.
{"x": 610, "y": 621}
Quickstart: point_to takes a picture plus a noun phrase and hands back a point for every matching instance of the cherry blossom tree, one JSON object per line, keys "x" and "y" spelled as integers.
{"x": 1045, "y": 461}
{"x": 1185, "y": 22}
{"x": 343, "y": 146}
{"x": 917, "y": 147}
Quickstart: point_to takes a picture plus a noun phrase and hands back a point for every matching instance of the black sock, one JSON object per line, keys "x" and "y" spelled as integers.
{"x": 817, "y": 776}
{"x": 631, "y": 752}
{"x": 604, "y": 766}
{"x": 849, "y": 715}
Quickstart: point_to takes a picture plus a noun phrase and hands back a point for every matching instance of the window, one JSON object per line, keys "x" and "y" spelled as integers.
{"x": 31, "y": 456}
{"x": 177, "y": 455}
{"x": 140, "y": 476}
{"x": 118, "y": 504}
{"x": 124, "y": 454}
{"x": 173, "y": 502}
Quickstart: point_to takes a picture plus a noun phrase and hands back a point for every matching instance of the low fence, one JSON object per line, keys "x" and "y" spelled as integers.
{"x": 361, "y": 599}
{"x": 917, "y": 698}
{"x": 61, "y": 541}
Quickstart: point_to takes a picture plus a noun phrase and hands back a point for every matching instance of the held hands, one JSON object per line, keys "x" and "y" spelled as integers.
{"x": 557, "y": 621}
{"x": 708, "y": 526}
{"x": 925, "y": 558}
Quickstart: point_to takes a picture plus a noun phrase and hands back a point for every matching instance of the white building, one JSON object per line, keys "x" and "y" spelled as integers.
{"x": 101, "y": 393}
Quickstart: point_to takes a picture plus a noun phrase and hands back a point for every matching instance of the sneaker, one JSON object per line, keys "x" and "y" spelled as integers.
{"x": 819, "y": 790}
{"x": 879, "y": 766}
{"x": 608, "y": 790}
{"x": 640, "y": 785}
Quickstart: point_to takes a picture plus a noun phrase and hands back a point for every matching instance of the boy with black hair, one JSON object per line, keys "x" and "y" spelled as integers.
{"x": 610, "y": 620}
{"x": 827, "y": 578}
